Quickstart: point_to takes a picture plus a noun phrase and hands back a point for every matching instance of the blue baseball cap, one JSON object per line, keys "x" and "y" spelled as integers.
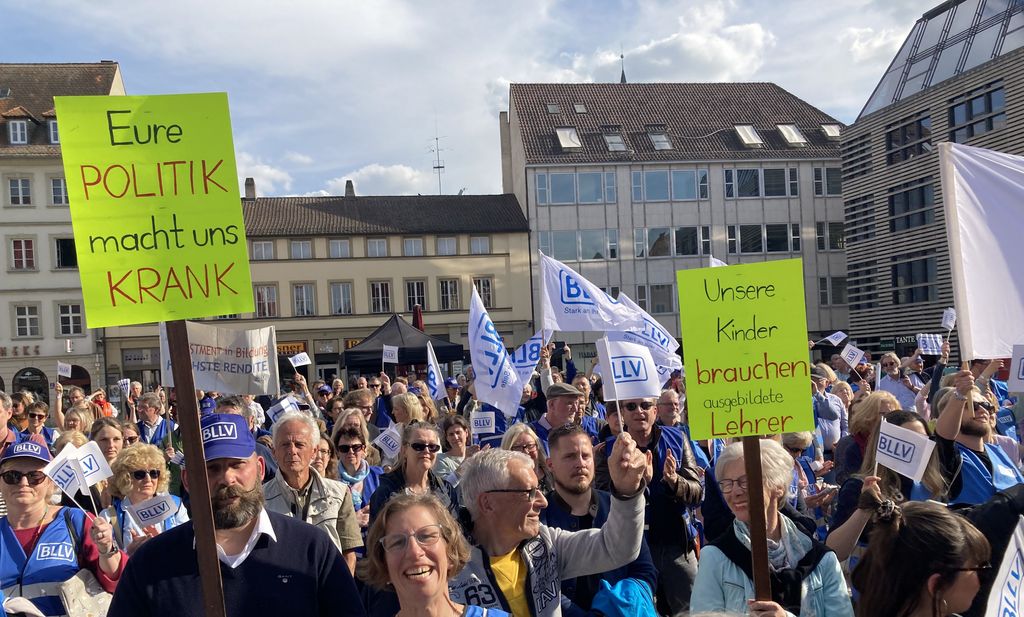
{"x": 451, "y": 382}
{"x": 207, "y": 405}
{"x": 226, "y": 436}
{"x": 26, "y": 449}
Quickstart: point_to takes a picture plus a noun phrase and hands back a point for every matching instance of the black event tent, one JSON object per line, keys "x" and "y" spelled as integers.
{"x": 411, "y": 343}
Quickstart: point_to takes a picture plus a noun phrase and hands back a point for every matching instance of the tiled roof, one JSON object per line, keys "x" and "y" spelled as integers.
{"x": 33, "y": 86}
{"x": 698, "y": 117}
{"x": 416, "y": 214}
{"x": 17, "y": 112}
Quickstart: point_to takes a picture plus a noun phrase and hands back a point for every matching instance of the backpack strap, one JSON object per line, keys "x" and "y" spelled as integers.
{"x": 75, "y": 536}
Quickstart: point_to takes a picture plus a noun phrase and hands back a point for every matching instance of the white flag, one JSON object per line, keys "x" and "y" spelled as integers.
{"x": 389, "y": 442}
{"x": 497, "y": 381}
{"x": 930, "y": 344}
{"x": 949, "y": 318}
{"x": 1016, "y": 378}
{"x": 631, "y": 371}
{"x": 1006, "y": 597}
{"x": 125, "y": 384}
{"x": 389, "y": 354}
{"x": 836, "y": 338}
{"x": 715, "y": 263}
{"x": 64, "y": 472}
{"x": 93, "y": 464}
{"x": 282, "y": 406}
{"x": 903, "y": 451}
{"x": 300, "y": 359}
{"x": 851, "y": 355}
{"x": 153, "y": 511}
{"x": 645, "y": 330}
{"x": 571, "y": 303}
{"x": 526, "y": 356}
{"x": 435, "y": 379}
{"x": 63, "y": 369}
{"x": 982, "y": 191}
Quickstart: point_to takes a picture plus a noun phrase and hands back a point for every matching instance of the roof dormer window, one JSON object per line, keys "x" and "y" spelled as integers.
{"x": 580, "y": 108}
{"x": 51, "y": 128}
{"x": 792, "y": 135}
{"x": 17, "y": 131}
{"x": 568, "y": 138}
{"x": 615, "y": 142}
{"x": 749, "y": 136}
{"x": 659, "y": 138}
{"x": 553, "y": 108}
{"x": 832, "y": 131}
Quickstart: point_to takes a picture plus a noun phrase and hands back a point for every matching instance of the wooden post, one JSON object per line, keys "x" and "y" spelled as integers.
{"x": 755, "y": 506}
{"x": 199, "y": 486}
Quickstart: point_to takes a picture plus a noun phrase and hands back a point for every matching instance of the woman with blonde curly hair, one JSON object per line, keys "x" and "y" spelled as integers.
{"x": 140, "y": 474}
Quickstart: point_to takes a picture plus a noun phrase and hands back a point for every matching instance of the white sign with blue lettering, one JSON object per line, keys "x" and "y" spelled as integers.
{"x": 497, "y": 381}
{"x": 629, "y": 370}
{"x": 94, "y": 465}
{"x": 389, "y": 354}
{"x": 483, "y": 422}
{"x": 300, "y": 359}
{"x": 930, "y": 344}
{"x": 903, "y": 450}
{"x": 153, "y": 511}
{"x": 851, "y": 355}
{"x": 1007, "y": 595}
{"x": 571, "y": 303}
{"x": 64, "y": 472}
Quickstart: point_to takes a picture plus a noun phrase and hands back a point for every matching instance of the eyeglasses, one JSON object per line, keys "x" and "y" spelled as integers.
{"x": 728, "y": 485}
{"x": 374, "y": 385}
{"x": 982, "y": 568}
{"x": 645, "y": 405}
{"x": 419, "y": 446}
{"x": 324, "y": 453}
{"x": 888, "y": 364}
{"x": 344, "y": 448}
{"x": 13, "y": 477}
{"x": 531, "y": 493}
{"x": 425, "y": 536}
{"x": 37, "y": 416}
{"x": 984, "y": 405}
{"x": 524, "y": 447}
{"x": 130, "y": 440}
{"x": 140, "y": 474}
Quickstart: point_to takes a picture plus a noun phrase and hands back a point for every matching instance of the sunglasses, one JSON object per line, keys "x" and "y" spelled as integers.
{"x": 888, "y": 364}
{"x": 37, "y": 416}
{"x": 419, "y": 446}
{"x": 13, "y": 477}
{"x": 645, "y": 405}
{"x": 374, "y": 385}
{"x": 130, "y": 440}
{"x": 983, "y": 405}
{"x": 140, "y": 474}
{"x": 354, "y": 448}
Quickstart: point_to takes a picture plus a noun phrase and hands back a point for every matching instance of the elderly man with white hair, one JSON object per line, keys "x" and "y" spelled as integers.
{"x": 299, "y": 491}
{"x": 516, "y": 563}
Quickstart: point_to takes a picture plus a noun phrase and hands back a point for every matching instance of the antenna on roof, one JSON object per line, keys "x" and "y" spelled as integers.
{"x": 438, "y": 163}
{"x": 622, "y": 63}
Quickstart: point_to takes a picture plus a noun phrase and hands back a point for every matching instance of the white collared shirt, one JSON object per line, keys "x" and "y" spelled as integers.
{"x": 263, "y": 526}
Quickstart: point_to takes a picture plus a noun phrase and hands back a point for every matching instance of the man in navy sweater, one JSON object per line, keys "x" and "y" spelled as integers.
{"x": 270, "y": 564}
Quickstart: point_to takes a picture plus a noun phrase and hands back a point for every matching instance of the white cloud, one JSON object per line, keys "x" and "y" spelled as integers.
{"x": 298, "y": 158}
{"x": 377, "y": 179}
{"x": 269, "y": 179}
{"x": 870, "y": 45}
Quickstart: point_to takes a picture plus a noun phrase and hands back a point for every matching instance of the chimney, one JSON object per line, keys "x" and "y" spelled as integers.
{"x": 250, "y": 189}
{"x": 350, "y": 189}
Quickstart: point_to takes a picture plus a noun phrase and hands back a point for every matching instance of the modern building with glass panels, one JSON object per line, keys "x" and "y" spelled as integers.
{"x": 627, "y": 183}
{"x": 958, "y": 77}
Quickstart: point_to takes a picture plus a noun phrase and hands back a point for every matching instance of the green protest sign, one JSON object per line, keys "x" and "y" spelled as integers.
{"x": 744, "y": 331}
{"x": 155, "y": 208}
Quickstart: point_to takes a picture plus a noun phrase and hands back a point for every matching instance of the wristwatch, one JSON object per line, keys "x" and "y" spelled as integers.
{"x": 113, "y": 550}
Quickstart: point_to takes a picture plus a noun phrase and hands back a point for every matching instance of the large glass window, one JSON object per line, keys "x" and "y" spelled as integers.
{"x": 449, "y": 294}
{"x": 684, "y": 184}
{"x": 341, "y": 298}
{"x": 775, "y": 183}
{"x": 656, "y": 185}
{"x": 828, "y": 181}
{"x": 593, "y": 244}
{"x": 659, "y": 242}
{"x": 912, "y": 207}
{"x": 913, "y": 279}
{"x": 69, "y": 319}
{"x": 266, "y": 300}
{"x": 750, "y": 239}
{"x": 776, "y": 237}
{"x": 661, "y": 300}
{"x": 911, "y": 137}
{"x": 977, "y": 112}
{"x": 590, "y": 189}
{"x": 304, "y": 299}
{"x": 563, "y": 188}
{"x": 563, "y": 245}
{"x": 380, "y": 296}
{"x": 687, "y": 241}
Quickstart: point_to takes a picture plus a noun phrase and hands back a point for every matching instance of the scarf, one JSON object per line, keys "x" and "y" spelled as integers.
{"x": 783, "y": 557}
{"x": 352, "y": 480}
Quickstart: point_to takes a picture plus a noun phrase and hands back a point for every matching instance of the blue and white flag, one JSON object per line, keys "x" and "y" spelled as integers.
{"x": 93, "y": 464}
{"x": 63, "y": 369}
{"x": 1006, "y": 597}
{"x": 65, "y": 472}
{"x": 949, "y": 318}
{"x": 630, "y": 373}
{"x": 930, "y": 344}
{"x": 153, "y": 511}
{"x": 282, "y": 406}
{"x": 903, "y": 451}
{"x": 851, "y": 355}
{"x": 435, "y": 379}
{"x": 526, "y": 356}
{"x": 300, "y": 359}
{"x": 571, "y": 303}
{"x": 645, "y": 330}
{"x": 497, "y": 381}
{"x": 836, "y": 338}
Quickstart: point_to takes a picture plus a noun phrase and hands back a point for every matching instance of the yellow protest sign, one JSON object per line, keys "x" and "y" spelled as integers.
{"x": 744, "y": 331}
{"x": 155, "y": 208}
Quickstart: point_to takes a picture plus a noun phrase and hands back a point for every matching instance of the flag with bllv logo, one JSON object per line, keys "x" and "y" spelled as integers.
{"x": 903, "y": 450}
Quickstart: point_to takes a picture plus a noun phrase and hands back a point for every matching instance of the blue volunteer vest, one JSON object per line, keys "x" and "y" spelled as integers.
{"x": 162, "y": 430}
{"x": 1006, "y": 423}
{"x": 978, "y": 484}
{"x": 54, "y": 559}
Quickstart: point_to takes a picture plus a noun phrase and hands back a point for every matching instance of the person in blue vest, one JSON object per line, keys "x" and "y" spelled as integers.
{"x": 564, "y": 405}
{"x": 153, "y": 428}
{"x": 37, "y": 413}
{"x": 42, "y": 544}
{"x": 575, "y": 504}
{"x": 975, "y": 469}
{"x": 673, "y": 490}
{"x": 140, "y": 474}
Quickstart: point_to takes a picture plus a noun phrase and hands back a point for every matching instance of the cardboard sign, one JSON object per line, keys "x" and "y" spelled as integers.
{"x": 483, "y": 422}
{"x": 389, "y": 354}
{"x": 744, "y": 329}
{"x": 632, "y": 372}
{"x": 389, "y": 442}
{"x": 153, "y": 511}
{"x": 155, "y": 209}
{"x": 228, "y": 360}
{"x": 300, "y": 359}
{"x": 63, "y": 369}
{"x": 903, "y": 450}
{"x": 1016, "y": 381}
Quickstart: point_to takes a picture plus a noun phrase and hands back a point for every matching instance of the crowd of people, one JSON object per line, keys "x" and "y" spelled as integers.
{"x": 572, "y": 505}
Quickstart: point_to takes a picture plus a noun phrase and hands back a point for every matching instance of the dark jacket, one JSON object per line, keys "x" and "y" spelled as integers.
{"x": 394, "y": 482}
{"x": 576, "y": 603}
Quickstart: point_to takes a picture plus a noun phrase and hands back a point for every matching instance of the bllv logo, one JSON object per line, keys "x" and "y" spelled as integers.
{"x": 626, "y": 369}
{"x": 571, "y": 290}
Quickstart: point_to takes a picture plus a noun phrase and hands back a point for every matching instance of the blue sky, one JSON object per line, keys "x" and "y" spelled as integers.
{"x": 323, "y": 91}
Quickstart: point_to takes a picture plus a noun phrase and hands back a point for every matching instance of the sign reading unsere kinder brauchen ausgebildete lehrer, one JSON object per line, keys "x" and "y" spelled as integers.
{"x": 155, "y": 208}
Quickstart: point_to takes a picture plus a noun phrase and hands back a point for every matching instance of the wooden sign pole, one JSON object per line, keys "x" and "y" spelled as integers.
{"x": 758, "y": 527}
{"x": 199, "y": 486}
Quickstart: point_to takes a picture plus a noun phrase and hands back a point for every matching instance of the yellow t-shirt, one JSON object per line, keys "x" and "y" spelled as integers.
{"x": 510, "y": 572}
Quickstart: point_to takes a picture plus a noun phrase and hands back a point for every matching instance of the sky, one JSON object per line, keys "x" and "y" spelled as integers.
{"x": 322, "y": 91}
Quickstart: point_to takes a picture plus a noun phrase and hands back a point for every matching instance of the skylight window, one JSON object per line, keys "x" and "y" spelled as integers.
{"x": 792, "y": 135}
{"x": 568, "y": 138}
{"x": 553, "y": 108}
{"x": 832, "y": 131}
{"x": 580, "y": 108}
{"x": 660, "y": 140}
{"x": 749, "y": 136}
{"x": 615, "y": 142}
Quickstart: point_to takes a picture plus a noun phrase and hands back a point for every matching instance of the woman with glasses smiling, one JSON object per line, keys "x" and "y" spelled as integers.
{"x": 415, "y": 546}
{"x": 37, "y": 413}
{"x": 140, "y": 474}
{"x": 413, "y": 471}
